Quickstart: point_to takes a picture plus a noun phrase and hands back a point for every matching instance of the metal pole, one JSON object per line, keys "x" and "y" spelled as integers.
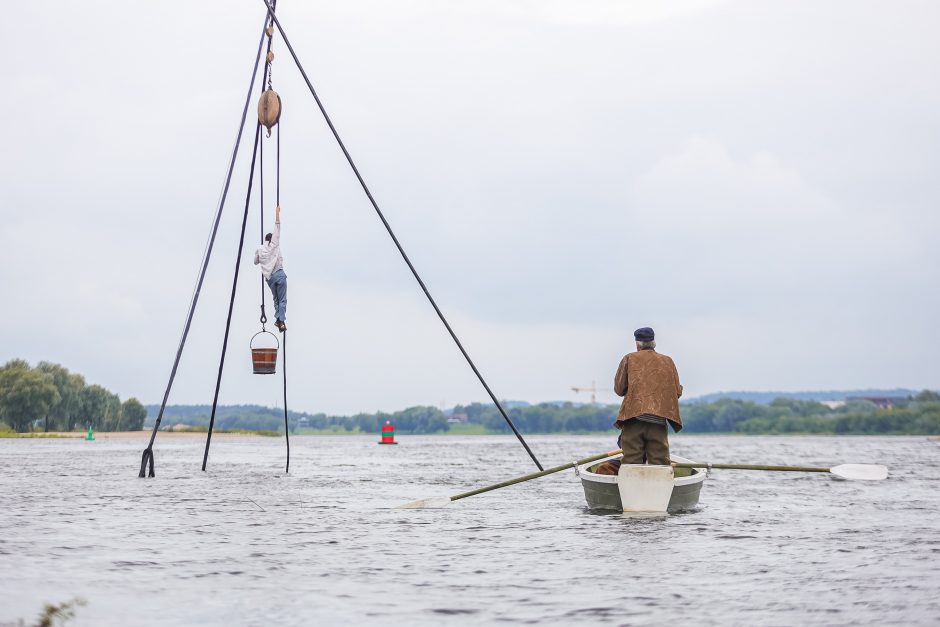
{"x": 398, "y": 245}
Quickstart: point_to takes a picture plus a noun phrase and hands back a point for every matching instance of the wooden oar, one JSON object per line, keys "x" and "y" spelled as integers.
{"x": 442, "y": 501}
{"x": 863, "y": 472}
{"x": 870, "y": 472}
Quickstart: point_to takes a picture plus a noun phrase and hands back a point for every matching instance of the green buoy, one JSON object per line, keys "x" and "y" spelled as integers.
{"x": 90, "y": 435}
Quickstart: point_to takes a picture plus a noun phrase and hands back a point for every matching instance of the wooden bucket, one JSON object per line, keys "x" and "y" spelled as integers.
{"x": 264, "y": 360}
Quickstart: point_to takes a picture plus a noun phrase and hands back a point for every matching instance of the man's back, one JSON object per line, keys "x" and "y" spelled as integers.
{"x": 649, "y": 383}
{"x": 268, "y": 255}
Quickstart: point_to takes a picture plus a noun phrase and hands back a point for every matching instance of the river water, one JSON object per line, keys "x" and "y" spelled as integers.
{"x": 245, "y": 544}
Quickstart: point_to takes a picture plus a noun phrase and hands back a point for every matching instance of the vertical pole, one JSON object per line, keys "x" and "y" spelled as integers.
{"x": 231, "y": 303}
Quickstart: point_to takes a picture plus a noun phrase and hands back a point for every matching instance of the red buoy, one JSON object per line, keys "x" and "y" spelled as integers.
{"x": 388, "y": 434}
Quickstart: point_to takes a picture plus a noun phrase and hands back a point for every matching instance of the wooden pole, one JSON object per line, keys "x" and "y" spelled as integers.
{"x": 750, "y": 467}
{"x": 439, "y": 502}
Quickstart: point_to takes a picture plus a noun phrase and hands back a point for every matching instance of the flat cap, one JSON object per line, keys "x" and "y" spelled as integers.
{"x": 644, "y": 334}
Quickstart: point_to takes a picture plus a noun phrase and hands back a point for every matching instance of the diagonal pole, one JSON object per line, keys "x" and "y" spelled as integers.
{"x": 147, "y": 457}
{"x": 391, "y": 233}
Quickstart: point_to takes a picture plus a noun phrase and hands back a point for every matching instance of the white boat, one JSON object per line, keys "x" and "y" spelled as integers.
{"x": 602, "y": 492}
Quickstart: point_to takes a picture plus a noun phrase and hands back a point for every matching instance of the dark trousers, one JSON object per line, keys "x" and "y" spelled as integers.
{"x": 644, "y": 443}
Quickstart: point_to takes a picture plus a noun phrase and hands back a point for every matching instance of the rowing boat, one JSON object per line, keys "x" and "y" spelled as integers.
{"x": 602, "y": 493}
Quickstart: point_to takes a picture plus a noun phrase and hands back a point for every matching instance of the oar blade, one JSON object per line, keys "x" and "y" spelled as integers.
{"x": 431, "y": 503}
{"x": 861, "y": 472}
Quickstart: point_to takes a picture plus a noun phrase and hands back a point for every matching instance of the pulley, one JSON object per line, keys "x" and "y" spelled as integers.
{"x": 269, "y": 109}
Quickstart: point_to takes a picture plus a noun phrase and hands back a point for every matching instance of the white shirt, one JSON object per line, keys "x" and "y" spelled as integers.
{"x": 268, "y": 254}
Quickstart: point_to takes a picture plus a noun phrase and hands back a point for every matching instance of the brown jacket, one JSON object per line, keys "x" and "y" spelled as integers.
{"x": 649, "y": 383}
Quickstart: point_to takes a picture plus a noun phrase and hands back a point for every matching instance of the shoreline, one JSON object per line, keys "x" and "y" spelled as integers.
{"x": 121, "y": 435}
{"x": 188, "y": 435}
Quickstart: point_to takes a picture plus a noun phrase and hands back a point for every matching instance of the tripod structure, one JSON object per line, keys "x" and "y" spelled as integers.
{"x": 268, "y": 119}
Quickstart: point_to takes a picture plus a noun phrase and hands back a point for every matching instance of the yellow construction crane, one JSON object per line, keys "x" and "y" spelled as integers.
{"x": 593, "y": 390}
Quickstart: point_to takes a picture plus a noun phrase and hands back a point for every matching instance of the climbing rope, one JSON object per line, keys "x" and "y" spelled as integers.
{"x": 391, "y": 233}
{"x": 266, "y": 79}
{"x": 277, "y": 201}
{"x": 264, "y": 316}
{"x": 257, "y": 154}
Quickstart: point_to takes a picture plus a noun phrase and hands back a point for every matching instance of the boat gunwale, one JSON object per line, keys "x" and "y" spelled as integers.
{"x": 698, "y": 475}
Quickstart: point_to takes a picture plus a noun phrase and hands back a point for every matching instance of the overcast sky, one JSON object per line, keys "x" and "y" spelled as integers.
{"x": 757, "y": 181}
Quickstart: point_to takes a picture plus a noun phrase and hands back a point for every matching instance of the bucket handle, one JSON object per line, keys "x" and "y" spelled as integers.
{"x": 252, "y": 341}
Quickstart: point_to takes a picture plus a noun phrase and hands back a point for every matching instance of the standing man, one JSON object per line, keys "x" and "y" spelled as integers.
{"x": 649, "y": 383}
{"x": 269, "y": 257}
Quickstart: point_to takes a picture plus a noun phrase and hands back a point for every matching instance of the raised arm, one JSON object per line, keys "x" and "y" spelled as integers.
{"x": 620, "y": 379}
{"x": 276, "y": 236}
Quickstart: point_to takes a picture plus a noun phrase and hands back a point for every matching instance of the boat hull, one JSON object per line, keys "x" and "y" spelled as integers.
{"x": 601, "y": 491}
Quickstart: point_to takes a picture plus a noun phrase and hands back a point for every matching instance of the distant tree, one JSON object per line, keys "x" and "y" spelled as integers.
{"x": 133, "y": 415}
{"x": 96, "y": 406}
{"x": 731, "y": 412}
{"x": 927, "y": 396}
{"x": 111, "y": 420}
{"x": 857, "y": 405}
{"x": 420, "y": 420}
{"x": 26, "y": 395}
{"x": 799, "y": 407}
{"x": 69, "y": 387}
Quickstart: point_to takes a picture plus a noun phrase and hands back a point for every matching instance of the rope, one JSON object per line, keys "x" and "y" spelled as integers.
{"x": 286, "y": 430}
{"x": 398, "y": 245}
{"x": 265, "y": 78}
{"x": 231, "y": 302}
{"x": 146, "y": 461}
{"x": 264, "y": 316}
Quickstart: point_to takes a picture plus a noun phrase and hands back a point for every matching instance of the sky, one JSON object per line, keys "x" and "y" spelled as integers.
{"x": 757, "y": 181}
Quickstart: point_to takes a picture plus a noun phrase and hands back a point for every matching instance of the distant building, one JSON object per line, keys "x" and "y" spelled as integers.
{"x": 458, "y": 418}
{"x": 833, "y": 404}
{"x": 883, "y": 402}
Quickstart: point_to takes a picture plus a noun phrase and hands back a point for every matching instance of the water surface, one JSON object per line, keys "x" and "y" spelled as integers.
{"x": 246, "y": 544}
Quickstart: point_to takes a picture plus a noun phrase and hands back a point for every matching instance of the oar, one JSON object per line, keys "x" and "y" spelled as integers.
{"x": 442, "y": 501}
{"x": 864, "y": 472}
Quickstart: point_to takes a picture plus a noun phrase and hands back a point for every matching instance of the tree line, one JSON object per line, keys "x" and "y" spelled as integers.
{"x": 50, "y": 398}
{"x": 419, "y": 419}
{"x": 918, "y": 414}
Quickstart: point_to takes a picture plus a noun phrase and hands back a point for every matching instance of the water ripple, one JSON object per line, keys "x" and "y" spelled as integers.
{"x": 245, "y": 544}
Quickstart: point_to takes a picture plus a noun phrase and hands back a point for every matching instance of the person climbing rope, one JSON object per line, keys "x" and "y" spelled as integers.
{"x": 268, "y": 256}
